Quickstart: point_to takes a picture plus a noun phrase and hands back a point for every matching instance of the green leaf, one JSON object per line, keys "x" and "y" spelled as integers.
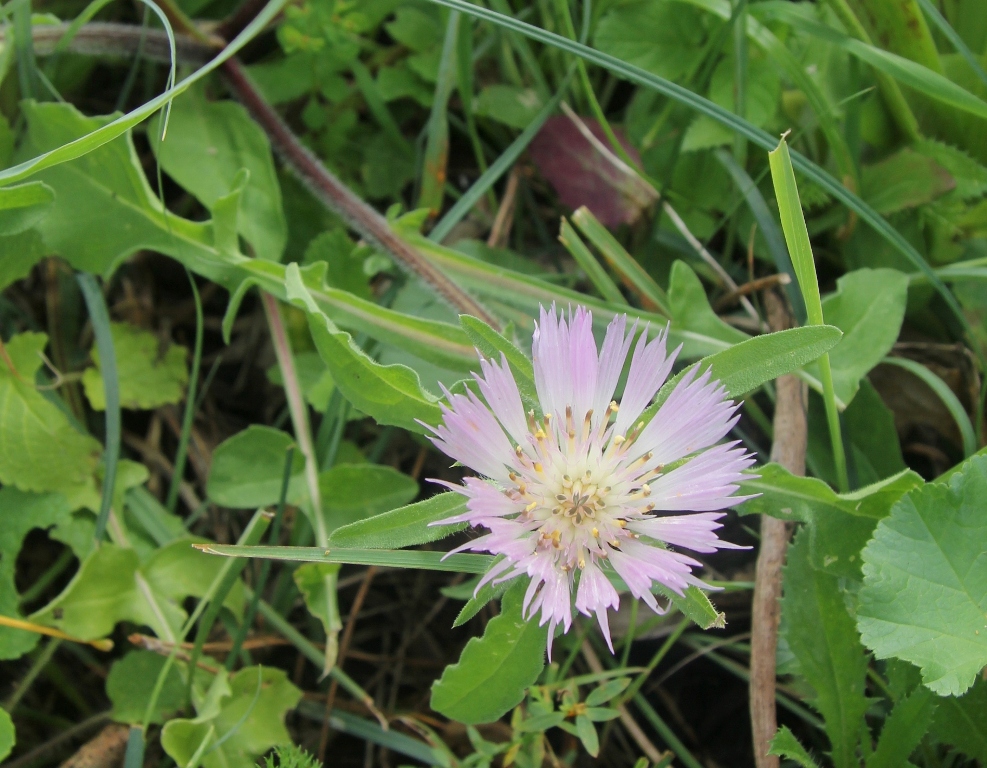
{"x": 903, "y": 730}
{"x": 41, "y": 450}
{"x": 820, "y": 633}
{"x": 495, "y": 670}
{"x": 962, "y": 721}
{"x": 23, "y": 205}
{"x": 660, "y": 37}
{"x": 148, "y": 376}
{"x": 20, "y": 253}
{"x": 404, "y": 527}
{"x": 391, "y": 394}
{"x": 248, "y": 468}
{"x": 249, "y": 722}
{"x": 904, "y": 180}
{"x": 131, "y": 681}
{"x": 21, "y": 512}
{"x": 508, "y": 104}
{"x": 112, "y": 586}
{"x": 691, "y": 311}
{"x": 784, "y": 744}
{"x": 486, "y": 593}
{"x": 8, "y": 736}
{"x": 587, "y": 735}
{"x": 208, "y": 143}
{"x": 868, "y": 306}
{"x": 924, "y": 597}
{"x": 696, "y": 606}
{"x": 492, "y": 345}
{"x": 607, "y": 691}
{"x": 317, "y": 583}
{"x": 355, "y": 492}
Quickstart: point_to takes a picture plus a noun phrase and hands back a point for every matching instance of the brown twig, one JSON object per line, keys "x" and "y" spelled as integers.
{"x": 105, "y": 749}
{"x": 504, "y": 220}
{"x": 339, "y": 198}
{"x": 789, "y": 451}
{"x": 760, "y": 284}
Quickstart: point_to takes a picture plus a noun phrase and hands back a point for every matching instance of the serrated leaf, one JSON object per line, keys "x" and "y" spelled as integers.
{"x": 495, "y": 670}
{"x": 784, "y": 744}
{"x": 208, "y": 144}
{"x": 962, "y": 721}
{"x": 820, "y": 633}
{"x": 20, "y": 512}
{"x": 41, "y": 450}
{"x": 247, "y": 469}
{"x": 924, "y": 597}
{"x": 391, "y": 394}
{"x": 112, "y": 585}
{"x": 903, "y": 729}
{"x": 249, "y": 721}
{"x": 868, "y": 306}
{"x": 148, "y": 375}
{"x": 405, "y": 526}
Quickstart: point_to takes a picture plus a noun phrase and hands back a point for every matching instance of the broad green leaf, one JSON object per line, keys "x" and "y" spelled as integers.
{"x": 962, "y": 721}
{"x": 112, "y": 585}
{"x": 247, "y": 469}
{"x": 23, "y": 205}
{"x": 691, "y": 311}
{"x": 784, "y": 744}
{"x": 924, "y": 597}
{"x": 868, "y": 306}
{"x": 8, "y": 736}
{"x": 508, "y": 104}
{"x": 869, "y": 435}
{"x": 475, "y": 602}
{"x": 403, "y": 527}
{"x": 659, "y": 37}
{"x": 587, "y": 735}
{"x": 354, "y": 492}
{"x": 317, "y": 583}
{"x": 391, "y": 394}
{"x": 41, "y": 450}
{"x": 249, "y": 722}
{"x": 131, "y": 681}
{"x": 148, "y": 377}
{"x": 695, "y": 605}
{"x": 820, "y": 633}
{"x": 903, "y": 730}
{"x": 904, "y": 180}
{"x": 208, "y": 142}
{"x": 19, "y": 513}
{"x": 20, "y": 252}
{"x": 493, "y": 671}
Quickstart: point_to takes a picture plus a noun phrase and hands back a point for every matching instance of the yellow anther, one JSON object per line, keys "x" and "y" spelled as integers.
{"x": 531, "y": 507}
{"x": 596, "y": 533}
{"x": 613, "y": 406}
{"x": 582, "y": 562}
{"x": 646, "y": 489}
{"x": 538, "y": 467}
{"x": 556, "y": 535}
{"x": 622, "y": 523}
{"x": 540, "y": 434}
{"x": 618, "y": 439}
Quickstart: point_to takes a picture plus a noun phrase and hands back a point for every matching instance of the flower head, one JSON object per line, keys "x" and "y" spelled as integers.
{"x": 586, "y": 486}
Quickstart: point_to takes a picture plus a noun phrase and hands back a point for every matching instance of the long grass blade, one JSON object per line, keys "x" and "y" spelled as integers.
{"x": 386, "y": 558}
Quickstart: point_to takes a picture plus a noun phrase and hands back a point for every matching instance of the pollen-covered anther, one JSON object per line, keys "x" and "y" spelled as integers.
{"x": 619, "y": 439}
{"x": 595, "y": 533}
{"x": 646, "y": 490}
{"x": 531, "y": 507}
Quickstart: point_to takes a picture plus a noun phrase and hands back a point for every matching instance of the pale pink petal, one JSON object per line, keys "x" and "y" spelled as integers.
{"x": 583, "y": 362}
{"x": 696, "y": 532}
{"x": 500, "y": 390}
{"x": 650, "y": 367}
{"x": 612, "y": 355}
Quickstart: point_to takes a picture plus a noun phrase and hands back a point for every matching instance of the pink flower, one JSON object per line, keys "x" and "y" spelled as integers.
{"x": 576, "y": 491}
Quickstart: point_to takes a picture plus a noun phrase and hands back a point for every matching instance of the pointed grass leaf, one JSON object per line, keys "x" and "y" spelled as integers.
{"x": 247, "y": 469}
{"x": 403, "y": 527}
{"x": 924, "y": 598}
{"x": 493, "y": 671}
{"x": 820, "y": 633}
{"x": 41, "y": 450}
{"x": 148, "y": 376}
{"x": 390, "y": 394}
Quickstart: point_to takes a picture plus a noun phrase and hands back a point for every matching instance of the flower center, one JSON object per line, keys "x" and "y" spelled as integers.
{"x": 580, "y": 500}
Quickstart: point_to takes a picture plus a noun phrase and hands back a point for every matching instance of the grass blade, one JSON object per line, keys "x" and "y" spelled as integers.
{"x": 386, "y": 558}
